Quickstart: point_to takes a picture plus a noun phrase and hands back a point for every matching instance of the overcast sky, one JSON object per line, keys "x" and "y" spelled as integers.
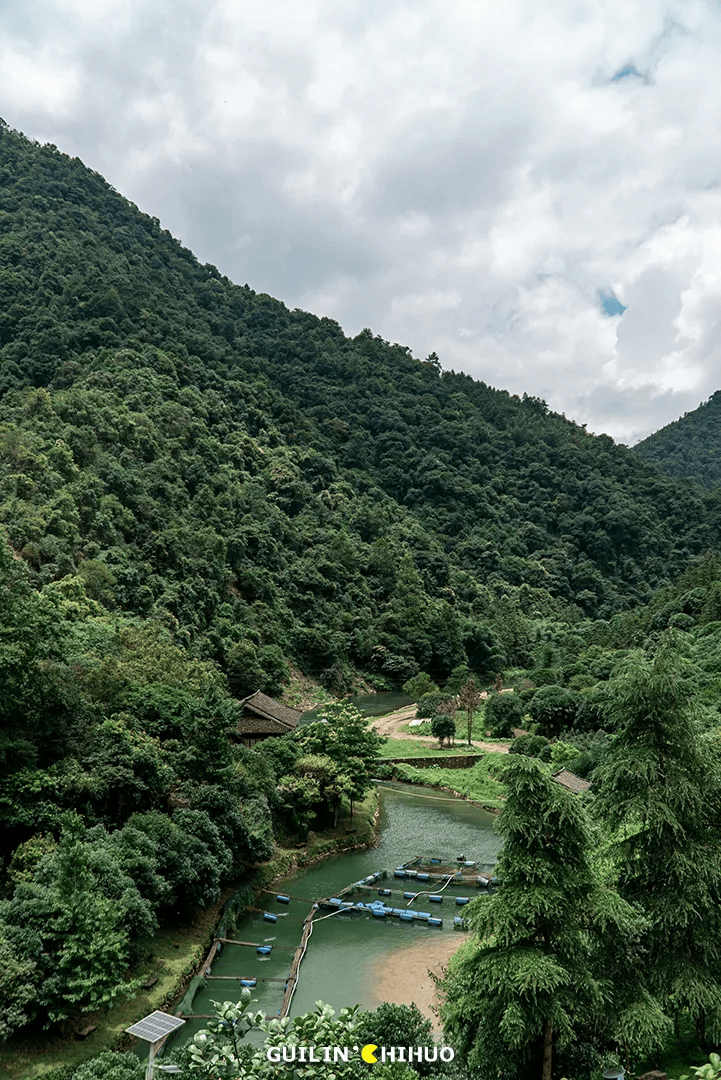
{"x": 474, "y": 179}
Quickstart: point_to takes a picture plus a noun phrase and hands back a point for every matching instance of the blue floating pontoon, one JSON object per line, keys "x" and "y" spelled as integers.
{"x": 436, "y": 899}
{"x": 409, "y": 895}
{"x": 407, "y": 916}
{"x": 282, "y": 899}
{"x": 399, "y": 873}
{"x": 435, "y": 922}
{"x": 385, "y": 892}
{"x": 458, "y": 922}
{"x": 270, "y": 917}
{"x": 248, "y": 982}
{"x": 424, "y": 877}
{"x": 462, "y": 900}
{"x": 264, "y": 950}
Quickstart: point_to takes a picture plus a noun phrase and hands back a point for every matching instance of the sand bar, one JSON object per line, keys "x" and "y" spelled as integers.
{"x": 402, "y": 977}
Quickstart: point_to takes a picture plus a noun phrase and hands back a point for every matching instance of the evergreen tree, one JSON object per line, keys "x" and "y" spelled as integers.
{"x": 535, "y": 976}
{"x": 660, "y": 788}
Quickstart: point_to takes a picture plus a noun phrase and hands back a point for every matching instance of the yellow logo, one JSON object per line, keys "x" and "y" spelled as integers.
{"x": 368, "y": 1055}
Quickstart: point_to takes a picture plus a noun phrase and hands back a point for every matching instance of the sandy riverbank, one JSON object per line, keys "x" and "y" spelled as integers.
{"x": 403, "y": 978}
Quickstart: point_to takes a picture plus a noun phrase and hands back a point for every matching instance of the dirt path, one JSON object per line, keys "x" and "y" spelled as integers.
{"x": 390, "y": 724}
{"x": 402, "y": 977}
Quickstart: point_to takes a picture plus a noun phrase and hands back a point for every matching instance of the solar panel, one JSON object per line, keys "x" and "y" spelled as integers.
{"x": 155, "y": 1027}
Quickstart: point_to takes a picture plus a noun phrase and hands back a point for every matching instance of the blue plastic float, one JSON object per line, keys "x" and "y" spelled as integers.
{"x": 264, "y": 950}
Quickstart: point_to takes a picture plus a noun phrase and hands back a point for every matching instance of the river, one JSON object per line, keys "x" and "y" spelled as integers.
{"x": 354, "y": 959}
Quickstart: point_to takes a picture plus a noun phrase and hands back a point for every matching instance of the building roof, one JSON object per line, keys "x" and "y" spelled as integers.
{"x": 571, "y": 781}
{"x": 264, "y": 715}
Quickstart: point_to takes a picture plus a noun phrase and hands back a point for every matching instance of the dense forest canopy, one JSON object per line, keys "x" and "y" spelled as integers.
{"x": 689, "y": 446}
{"x": 197, "y": 453}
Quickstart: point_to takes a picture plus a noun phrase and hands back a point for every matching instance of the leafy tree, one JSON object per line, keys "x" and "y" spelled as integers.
{"x": 111, "y": 1066}
{"x": 345, "y": 736}
{"x": 419, "y": 685}
{"x": 218, "y": 1051}
{"x": 443, "y": 726}
{"x": 31, "y": 632}
{"x": 395, "y": 1025}
{"x": 75, "y": 933}
{"x": 431, "y": 703}
{"x": 659, "y": 788}
{"x": 554, "y": 709}
{"x": 504, "y": 712}
{"x": 469, "y": 698}
{"x": 17, "y": 987}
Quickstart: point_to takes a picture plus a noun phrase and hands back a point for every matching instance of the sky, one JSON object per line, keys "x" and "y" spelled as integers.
{"x": 531, "y": 191}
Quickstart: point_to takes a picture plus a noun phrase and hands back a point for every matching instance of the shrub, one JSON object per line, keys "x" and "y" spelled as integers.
{"x": 430, "y": 704}
{"x": 554, "y": 708}
{"x": 420, "y": 685}
{"x": 530, "y": 745}
{"x": 504, "y": 712}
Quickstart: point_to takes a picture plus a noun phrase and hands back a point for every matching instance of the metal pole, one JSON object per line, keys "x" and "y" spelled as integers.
{"x": 151, "y": 1059}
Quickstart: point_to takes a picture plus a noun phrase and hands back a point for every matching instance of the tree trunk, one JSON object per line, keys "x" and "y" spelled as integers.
{"x": 700, "y": 1025}
{"x": 547, "y": 1050}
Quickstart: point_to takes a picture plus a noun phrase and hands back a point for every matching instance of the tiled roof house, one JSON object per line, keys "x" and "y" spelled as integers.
{"x": 263, "y": 716}
{"x": 571, "y": 781}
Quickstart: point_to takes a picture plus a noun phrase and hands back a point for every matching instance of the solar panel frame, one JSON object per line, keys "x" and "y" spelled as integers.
{"x": 155, "y": 1027}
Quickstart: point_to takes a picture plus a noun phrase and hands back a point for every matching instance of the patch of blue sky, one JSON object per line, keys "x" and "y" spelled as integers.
{"x": 611, "y": 306}
{"x": 625, "y": 73}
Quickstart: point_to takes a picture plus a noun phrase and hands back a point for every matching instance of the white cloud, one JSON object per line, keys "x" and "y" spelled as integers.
{"x": 463, "y": 178}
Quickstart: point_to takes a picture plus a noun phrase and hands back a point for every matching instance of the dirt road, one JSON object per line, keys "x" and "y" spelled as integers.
{"x": 390, "y": 724}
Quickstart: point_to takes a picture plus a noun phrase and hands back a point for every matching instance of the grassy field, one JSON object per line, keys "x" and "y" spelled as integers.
{"x": 420, "y": 748}
{"x": 475, "y": 783}
{"x": 175, "y": 953}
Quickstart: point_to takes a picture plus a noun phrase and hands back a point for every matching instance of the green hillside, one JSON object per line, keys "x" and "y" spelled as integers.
{"x": 203, "y": 492}
{"x": 689, "y": 447}
{"x": 198, "y": 453}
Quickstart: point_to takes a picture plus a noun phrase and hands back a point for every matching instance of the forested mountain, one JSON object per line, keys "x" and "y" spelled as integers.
{"x": 197, "y": 452}
{"x": 200, "y": 488}
{"x": 689, "y": 447}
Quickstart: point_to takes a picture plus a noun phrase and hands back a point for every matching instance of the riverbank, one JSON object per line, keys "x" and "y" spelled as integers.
{"x": 175, "y": 955}
{"x": 361, "y": 833}
{"x": 476, "y": 785}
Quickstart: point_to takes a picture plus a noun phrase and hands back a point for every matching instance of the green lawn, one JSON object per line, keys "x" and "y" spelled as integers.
{"x": 395, "y": 748}
{"x": 475, "y": 783}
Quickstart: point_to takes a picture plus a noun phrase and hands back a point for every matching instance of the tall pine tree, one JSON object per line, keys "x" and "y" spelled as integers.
{"x": 660, "y": 788}
{"x": 549, "y": 963}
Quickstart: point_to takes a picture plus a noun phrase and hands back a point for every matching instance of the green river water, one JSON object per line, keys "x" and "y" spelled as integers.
{"x": 341, "y": 962}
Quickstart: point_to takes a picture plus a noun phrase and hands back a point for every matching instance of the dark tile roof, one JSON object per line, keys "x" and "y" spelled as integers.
{"x": 571, "y": 781}
{"x": 263, "y": 714}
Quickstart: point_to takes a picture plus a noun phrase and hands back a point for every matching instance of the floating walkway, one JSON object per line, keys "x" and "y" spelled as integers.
{"x": 421, "y": 870}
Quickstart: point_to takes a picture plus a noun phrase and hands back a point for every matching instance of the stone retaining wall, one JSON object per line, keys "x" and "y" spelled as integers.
{"x": 458, "y": 761}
